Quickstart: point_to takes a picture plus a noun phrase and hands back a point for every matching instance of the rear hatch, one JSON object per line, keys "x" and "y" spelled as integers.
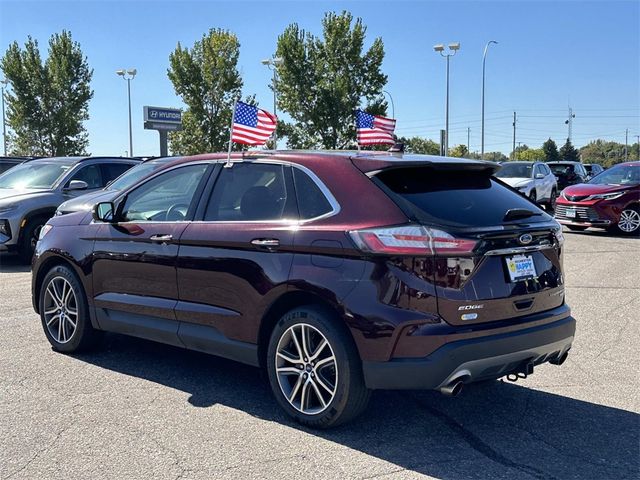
{"x": 495, "y": 254}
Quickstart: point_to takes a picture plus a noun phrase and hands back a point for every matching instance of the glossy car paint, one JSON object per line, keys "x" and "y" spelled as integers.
{"x": 599, "y": 213}
{"x": 212, "y": 289}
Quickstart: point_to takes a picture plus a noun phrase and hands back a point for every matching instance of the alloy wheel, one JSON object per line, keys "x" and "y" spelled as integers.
{"x": 60, "y": 309}
{"x": 629, "y": 220}
{"x": 306, "y": 369}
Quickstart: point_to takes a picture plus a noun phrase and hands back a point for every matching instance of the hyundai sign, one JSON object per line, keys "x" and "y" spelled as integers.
{"x": 161, "y": 118}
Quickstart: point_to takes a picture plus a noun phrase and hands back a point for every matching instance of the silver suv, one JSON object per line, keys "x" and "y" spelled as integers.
{"x": 532, "y": 179}
{"x": 31, "y": 192}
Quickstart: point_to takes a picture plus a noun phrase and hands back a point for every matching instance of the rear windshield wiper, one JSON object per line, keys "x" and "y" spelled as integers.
{"x": 514, "y": 213}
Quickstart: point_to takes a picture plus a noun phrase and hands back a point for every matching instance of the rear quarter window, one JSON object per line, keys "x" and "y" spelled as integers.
{"x": 456, "y": 198}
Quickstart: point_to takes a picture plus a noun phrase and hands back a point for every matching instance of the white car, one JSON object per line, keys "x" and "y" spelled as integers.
{"x": 533, "y": 179}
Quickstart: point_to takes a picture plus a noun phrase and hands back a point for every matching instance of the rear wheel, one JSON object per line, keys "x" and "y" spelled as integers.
{"x": 576, "y": 228}
{"x": 629, "y": 222}
{"x": 314, "y": 369}
{"x": 64, "y": 312}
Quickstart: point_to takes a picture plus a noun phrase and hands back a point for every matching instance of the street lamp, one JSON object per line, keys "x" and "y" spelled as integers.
{"x": 273, "y": 64}
{"x": 484, "y": 59}
{"x": 453, "y": 48}
{"x": 128, "y": 75}
{"x": 393, "y": 108}
{"x": 4, "y": 83}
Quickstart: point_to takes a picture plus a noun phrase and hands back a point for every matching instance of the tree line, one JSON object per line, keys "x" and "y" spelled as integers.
{"x": 320, "y": 81}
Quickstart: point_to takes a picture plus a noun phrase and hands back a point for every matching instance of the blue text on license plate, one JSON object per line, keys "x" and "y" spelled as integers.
{"x": 521, "y": 267}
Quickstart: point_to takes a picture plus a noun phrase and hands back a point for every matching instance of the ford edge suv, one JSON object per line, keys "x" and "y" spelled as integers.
{"x": 338, "y": 273}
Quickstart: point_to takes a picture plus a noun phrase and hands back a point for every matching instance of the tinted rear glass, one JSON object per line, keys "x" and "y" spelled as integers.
{"x": 456, "y": 198}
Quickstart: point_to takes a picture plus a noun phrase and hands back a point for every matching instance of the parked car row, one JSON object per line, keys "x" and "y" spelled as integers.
{"x": 31, "y": 192}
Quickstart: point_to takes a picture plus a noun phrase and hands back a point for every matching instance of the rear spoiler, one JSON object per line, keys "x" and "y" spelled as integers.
{"x": 373, "y": 167}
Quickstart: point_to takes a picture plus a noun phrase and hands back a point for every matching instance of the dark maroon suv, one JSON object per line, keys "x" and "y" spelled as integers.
{"x": 338, "y": 273}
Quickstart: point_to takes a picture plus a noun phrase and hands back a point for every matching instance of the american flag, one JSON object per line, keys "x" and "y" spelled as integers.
{"x": 252, "y": 125}
{"x": 374, "y": 129}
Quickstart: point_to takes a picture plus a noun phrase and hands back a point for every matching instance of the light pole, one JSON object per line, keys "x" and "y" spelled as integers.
{"x": 4, "y": 83}
{"x": 393, "y": 108}
{"x": 273, "y": 64}
{"x": 128, "y": 75}
{"x": 453, "y": 48}
{"x": 484, "y": 59}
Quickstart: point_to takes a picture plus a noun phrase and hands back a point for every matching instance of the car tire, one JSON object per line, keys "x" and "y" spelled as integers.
{"x": 552, "y": 200}
{"x": 311, "y": 387}
{"x": 29, "y": 238}
{"x": 576, "y": 228}
{"x": 64, "y": 312}
{"x": 533, "y": 197}
{"x": 629, "y": 222}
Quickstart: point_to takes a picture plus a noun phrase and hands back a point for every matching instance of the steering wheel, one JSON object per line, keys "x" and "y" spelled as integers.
{"x": 174, "y": 213}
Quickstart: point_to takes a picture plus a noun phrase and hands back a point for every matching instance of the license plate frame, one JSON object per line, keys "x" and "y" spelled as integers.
{"x": 571, "y": 213}
{"x": 520, "y": 267}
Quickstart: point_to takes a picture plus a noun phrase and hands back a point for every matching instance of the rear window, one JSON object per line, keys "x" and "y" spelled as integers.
{"x": 455, "y": 198}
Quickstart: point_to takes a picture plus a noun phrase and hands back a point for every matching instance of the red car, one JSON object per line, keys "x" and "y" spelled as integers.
{"x": 610, "y": 200}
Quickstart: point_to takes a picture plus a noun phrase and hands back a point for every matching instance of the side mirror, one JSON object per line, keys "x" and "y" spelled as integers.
{"x": 539, "y": 175}
{"x": 77, "y": 185}
{"x": 103, "y": 212}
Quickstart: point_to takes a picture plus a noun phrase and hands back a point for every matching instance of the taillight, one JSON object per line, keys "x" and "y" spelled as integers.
{"x": 411, "y": 240}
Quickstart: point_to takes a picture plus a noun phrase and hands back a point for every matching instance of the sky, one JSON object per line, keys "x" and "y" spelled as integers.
{"x": 549, "y": 56}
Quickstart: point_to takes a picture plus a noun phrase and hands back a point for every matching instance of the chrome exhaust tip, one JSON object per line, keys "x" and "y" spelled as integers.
{"x": 560, "y": 359}
{"x": 453, "y": 389}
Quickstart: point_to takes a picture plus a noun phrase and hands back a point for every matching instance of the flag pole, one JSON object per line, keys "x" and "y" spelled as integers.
{"x": 233, "y": 114}
{"x": 357, "y": 142}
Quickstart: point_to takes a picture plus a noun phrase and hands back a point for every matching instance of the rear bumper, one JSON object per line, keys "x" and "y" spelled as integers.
{"x": 474, "y": 359}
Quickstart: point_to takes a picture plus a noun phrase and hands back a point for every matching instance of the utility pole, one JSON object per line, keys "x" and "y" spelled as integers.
{"x": 638, "y": 147}
{"x": 514, "y": 136}
{"x": 468, "y": 137}
{"x": 569, "y": 121}
{"x": 626, "y": 144}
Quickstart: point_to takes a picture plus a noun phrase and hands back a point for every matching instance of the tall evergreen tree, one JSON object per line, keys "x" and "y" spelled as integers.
{"x": 569, "y": 153}
{"x": 48, "y": 101}
{"x": 550, "y": 150}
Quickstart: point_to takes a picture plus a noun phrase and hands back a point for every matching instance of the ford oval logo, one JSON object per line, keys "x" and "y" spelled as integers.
{"x": 525, "y": 239}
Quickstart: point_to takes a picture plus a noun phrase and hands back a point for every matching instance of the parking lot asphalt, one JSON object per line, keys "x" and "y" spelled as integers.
{"x": 136, "y": 409}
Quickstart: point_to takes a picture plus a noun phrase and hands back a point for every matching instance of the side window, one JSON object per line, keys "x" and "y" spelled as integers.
{"x": 111, "y": 171}
{"x": 165, "y": 198}
{"x": 537, "y": 170}
{"x": 90, "y": 174}
{"x": 545, "y": 169}
{"x": 250, "y": 192}
{"x": 311, "y": 201}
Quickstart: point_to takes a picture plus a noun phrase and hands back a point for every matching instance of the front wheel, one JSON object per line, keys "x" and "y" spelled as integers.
{"x": 629, "y": 222}
{"x": 64, "y": 312}
{"x": 533, "y": 197}
{"x": 29, "y": 238}
{"x": 552, "y": 200}
{"x": 314, "y": 369}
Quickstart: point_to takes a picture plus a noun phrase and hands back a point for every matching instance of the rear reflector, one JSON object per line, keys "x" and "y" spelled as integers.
{"x": 411, "y": 240}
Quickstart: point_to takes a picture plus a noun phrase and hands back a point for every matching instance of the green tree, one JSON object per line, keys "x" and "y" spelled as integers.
{"x": 531, "y": 155}
{"x": 48, "y": 101}
{"x": 606, "y": 153}
{"x": 206, "y": 77}
{"x": 321, "y": 81}
{"x": 459, "y": 151}
{"x": 420, "y": 145}
{"x": 550, "y": 150}
{"x": 495, "y": 156}
{"x": 569, "y": 153}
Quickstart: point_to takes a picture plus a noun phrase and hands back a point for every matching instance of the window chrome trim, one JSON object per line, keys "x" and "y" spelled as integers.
{"x": 517, "y": 250}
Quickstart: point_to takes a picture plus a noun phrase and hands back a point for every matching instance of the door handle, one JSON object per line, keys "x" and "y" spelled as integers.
{"x": 161, "y": 238}
{"x": 268, "y": 243}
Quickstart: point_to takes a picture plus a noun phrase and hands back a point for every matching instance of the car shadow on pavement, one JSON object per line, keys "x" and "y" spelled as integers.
{"x": 519, "y": 432}
{"x": 12, "y": 264}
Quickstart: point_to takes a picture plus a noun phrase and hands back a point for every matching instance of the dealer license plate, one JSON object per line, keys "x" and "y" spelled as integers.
{"x": 521, "y": 267}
